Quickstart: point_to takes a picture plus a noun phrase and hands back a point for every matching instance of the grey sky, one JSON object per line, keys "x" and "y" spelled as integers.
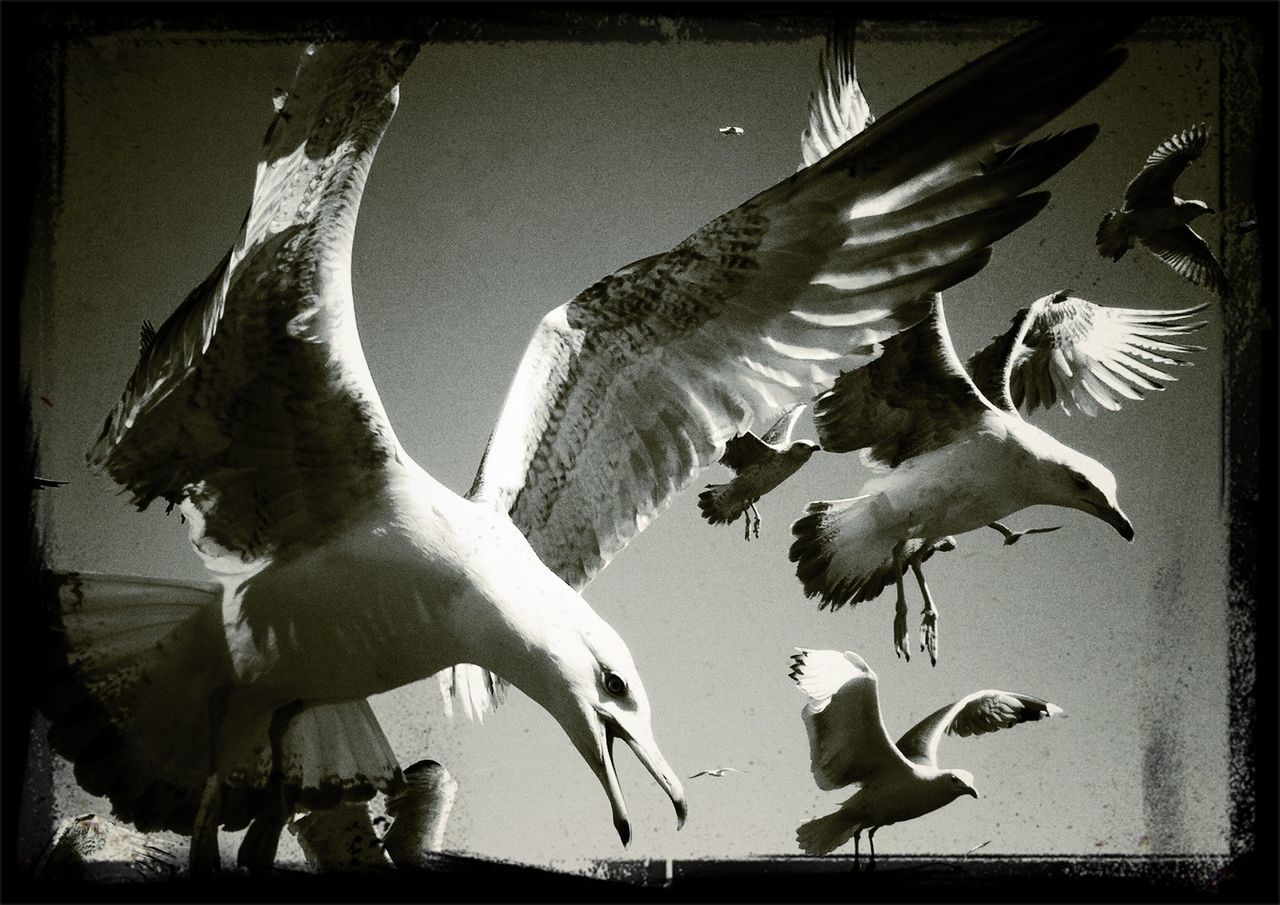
{"x": 513, "y": 176}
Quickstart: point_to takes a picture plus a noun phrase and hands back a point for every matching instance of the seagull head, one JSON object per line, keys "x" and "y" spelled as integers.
{"x": 586, "y": 679}
{"x": 1067, "y": 477}
{"x": 803, "y": 450}
{"x": 960, "y": 782}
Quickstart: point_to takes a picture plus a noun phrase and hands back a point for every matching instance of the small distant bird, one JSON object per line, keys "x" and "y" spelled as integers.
{"x": 40, "y": 483}
{"x": 848, "y": 744}
{"x": 731, "y": 130}
{"x": 761, "y": 464}
{"x": 1011, "y": 537}
{"x": 955, "y": 454}
{"x": 718, "y": 773}
{"x": 1153, "y": 215}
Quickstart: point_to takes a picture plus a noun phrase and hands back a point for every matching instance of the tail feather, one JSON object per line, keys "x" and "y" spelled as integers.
{"x": 823, "y": 835}
{"x": 720, "y": 505}
{"x": 1111, "y": 239}
{"x": 134, "y": 699}
{"x": 129, "y": 701}
{"x": 478, "y": 690}
{"x": 840, "y": 548}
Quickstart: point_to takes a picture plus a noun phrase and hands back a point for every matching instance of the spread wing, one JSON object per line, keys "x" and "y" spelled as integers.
{"x": 847, "y": 739}
{"x": 629, "y": 390}
{"x": 254, "y": 400}
{"x": 1082, "y": 355}
{"x": 1153, "y": 186}
{"x": 975, "y": 714}
{"x": 914, "y": 398}
{"x": 1182, "y": 249}
{"x": 837, "y": 109}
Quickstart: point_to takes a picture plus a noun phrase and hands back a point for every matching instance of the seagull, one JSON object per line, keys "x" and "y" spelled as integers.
{"x": 718, "y": 773}
{"x": 1153, "y": 215}
{"x": 954, "y": 453}
{"x": 731, "y": 130}
{"x": 760, "y": 464}
{"x": 341, "y": 569}
{"x": 1011, "y": 537}
{"x": 39, "y": 483}
{"x": 848, "y": 744}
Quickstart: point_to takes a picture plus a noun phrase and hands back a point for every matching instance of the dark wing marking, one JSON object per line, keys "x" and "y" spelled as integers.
{"x": 975, "y": 714}
{"x": 914, "y": 398}
{"x": 253, "y": 400}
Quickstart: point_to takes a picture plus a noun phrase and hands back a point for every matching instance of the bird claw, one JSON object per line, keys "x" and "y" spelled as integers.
{"x": 901, "y": 641}
{"x": 929, "y": 636}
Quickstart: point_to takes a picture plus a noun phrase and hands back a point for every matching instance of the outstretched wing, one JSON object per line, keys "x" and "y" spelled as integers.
{"x": 847, "y": 739}
{"x": 914, "y": 398}
{"x": 254, "y": 400}
{"x": 1082, "y": 355}
{"x": 629, "y": 390}
{"x": 746, "y": 449}
{"x": 837, "y": 109}
{"x": 1153, "y": 186}
{"x": 1182, "y": 249}
{"x": 975, "y": 714}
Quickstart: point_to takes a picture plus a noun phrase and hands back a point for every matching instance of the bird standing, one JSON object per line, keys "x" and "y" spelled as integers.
{"x": 848, "y": 744}
{"x": 1153, "y": 215}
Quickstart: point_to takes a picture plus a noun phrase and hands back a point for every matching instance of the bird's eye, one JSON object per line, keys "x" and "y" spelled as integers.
{"x": 614, "y": 684}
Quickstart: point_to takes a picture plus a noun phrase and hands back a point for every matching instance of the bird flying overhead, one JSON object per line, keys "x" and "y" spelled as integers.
{"x": 760, "y": 464}
{"x": 1161, "y": 221}
{"x": 953, "y": 452}
{"x": 718, "y": 772}
{"x": 191, "y": 706}
{"x": 730, "y": 130}
{"x": 848, "y": 744}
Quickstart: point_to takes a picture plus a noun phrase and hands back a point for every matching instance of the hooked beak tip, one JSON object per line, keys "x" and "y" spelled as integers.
{"x": 682, "y": 811}
{"x": 623, "y": 826}
{"x": 973, "y": 792}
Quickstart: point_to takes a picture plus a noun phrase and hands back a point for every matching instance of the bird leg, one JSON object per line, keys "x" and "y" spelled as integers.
{"x": 204, "y": 856}
{"x": 928, "y": 625}
{"x": 871, "y": 838}
{"x": 752, "y": 527}
{"x": 258, "y": 849}
{"x": 857, "y": 844}
{"x": 901, "y": 643}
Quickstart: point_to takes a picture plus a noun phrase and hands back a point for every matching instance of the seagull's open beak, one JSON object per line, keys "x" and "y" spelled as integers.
{"x": 646, "y": 750}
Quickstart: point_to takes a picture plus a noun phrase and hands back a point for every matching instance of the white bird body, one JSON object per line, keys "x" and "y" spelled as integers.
{"x": 849, "y": 745}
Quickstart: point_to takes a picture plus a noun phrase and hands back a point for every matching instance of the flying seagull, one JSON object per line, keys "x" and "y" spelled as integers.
{"x": 1153, "y": 215}
{"x": 718, "y": 773}
{"x": 848, "y": 744}
{"x": 954, "y": 453}
{"x": 730, "y": 130}
{"x": 760, "y": 464}
{"x": 255, "y": 405}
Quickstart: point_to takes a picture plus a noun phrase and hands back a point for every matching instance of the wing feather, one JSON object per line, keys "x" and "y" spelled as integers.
{"x": 838, "y": 110}
{"x": 1082, "y": 355}
{"x": 1153, "y": 186}
{"x": 253, "y": 400}
{"x": 975, "y": 714}
{"x": 914, "y": 398}
{"x": 771, "y": 301}
{"x": 1182, "y": 249}
{"x": 848, "y": 742}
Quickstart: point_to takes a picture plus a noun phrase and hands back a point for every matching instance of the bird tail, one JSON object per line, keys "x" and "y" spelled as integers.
{"x": 1112, "y": 241}
{"x": 720, "y": 505}
{"x": 823, "y": 835}
{"x": 132, "y": 702}
{"x": 135, "y": 664}
{"x": 840, "y": 550}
